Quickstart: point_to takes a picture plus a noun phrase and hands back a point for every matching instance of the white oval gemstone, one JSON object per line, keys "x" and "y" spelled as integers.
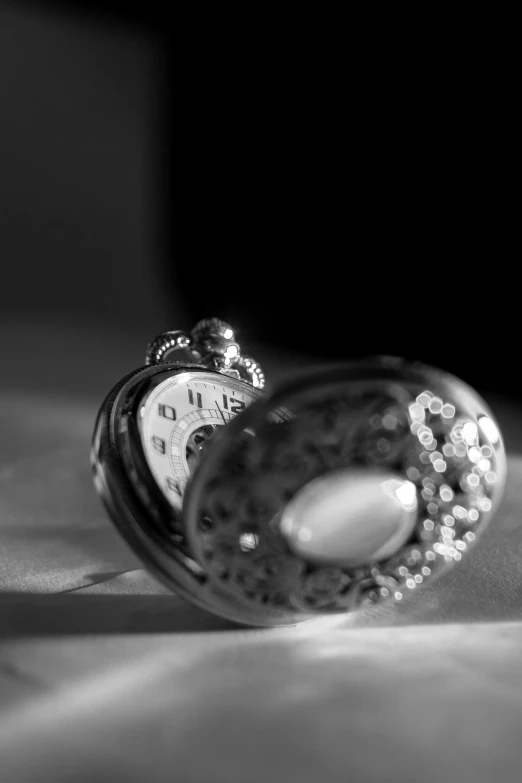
{"x": 351, "y": 517}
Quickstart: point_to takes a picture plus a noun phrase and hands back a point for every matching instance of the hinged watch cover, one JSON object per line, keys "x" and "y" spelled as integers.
{"x": 345, "y": 487}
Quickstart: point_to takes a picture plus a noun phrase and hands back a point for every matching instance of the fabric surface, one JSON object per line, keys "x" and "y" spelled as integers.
{"x": 106, "y": 675}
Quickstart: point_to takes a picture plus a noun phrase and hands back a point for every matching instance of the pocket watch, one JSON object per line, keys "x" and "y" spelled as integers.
{"x": 346, "y": 486}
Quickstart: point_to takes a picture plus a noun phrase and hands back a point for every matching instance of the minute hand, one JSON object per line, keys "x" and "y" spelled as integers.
{"x": 222, "y": 415}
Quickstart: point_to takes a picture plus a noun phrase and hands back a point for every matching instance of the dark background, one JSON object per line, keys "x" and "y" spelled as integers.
{"x": 328, "y": 187}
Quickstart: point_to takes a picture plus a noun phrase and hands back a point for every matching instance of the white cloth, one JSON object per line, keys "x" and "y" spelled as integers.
{"x": 104, "y": 675}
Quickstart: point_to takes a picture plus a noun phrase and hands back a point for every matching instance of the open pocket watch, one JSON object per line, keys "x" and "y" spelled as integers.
{"x": 347, "y": 486}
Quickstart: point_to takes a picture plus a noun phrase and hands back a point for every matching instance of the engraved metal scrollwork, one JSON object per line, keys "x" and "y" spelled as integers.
{"x": 424, "y": 426}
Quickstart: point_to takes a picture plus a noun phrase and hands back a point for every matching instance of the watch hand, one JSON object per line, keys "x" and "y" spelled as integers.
{"x": 221, "y": 412}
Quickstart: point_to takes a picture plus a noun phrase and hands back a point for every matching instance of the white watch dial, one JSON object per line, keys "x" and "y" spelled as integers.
{"x": 179, "y": 416}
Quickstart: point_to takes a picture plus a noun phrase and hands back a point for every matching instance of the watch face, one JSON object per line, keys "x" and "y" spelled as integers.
{"x": 177, "y": 419}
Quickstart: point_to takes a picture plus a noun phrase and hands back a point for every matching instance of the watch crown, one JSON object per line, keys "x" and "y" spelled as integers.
{"x": 215, "y": 342}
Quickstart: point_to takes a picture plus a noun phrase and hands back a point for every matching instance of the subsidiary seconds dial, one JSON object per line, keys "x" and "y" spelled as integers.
{"x": 179, "y": 416}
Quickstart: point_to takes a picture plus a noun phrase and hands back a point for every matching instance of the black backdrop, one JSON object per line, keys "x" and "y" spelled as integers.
{"x": 343, "y": 195}
{"x": 334, "y": 189}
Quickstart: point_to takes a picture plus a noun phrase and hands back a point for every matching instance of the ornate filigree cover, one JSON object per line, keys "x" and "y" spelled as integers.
{"x": 423, "y": 425}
